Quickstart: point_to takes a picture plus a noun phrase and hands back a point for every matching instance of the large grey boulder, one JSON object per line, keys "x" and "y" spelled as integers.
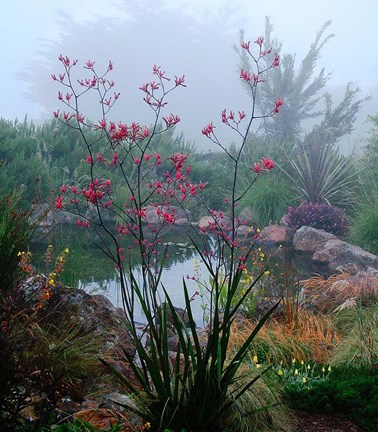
{"x": 340, "y": 255}
{"x": 308, "y": 239}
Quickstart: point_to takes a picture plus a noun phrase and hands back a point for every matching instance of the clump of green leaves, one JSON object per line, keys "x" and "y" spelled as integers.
{"x": 79, "y": 426}
{"x": 269, "y": 200}
{"x": 320, "y": 173}
{"x": 301, "y": 374}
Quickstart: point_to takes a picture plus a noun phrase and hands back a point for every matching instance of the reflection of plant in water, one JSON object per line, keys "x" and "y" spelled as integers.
{"x": 87, "y": 266}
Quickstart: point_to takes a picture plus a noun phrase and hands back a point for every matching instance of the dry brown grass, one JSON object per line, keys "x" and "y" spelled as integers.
{"x": 309, "y": 338}
{"x": 339, "y": 291}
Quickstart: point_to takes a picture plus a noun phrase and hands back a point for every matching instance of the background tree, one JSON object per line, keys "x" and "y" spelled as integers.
{"x": 299, "y": 89}
{"x": 304, "y": 140}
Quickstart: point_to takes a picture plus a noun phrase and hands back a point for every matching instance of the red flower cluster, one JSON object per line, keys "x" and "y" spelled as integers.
{"x": 123, "y": 132}
{"x": 262, "y": 166}
{"x": 208, "y": 130}
{"x": 277, "y": 105}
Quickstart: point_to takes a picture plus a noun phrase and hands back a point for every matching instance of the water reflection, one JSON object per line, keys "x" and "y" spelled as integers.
{"x": 172, "y": 280}
{"x": 88, "y": 268}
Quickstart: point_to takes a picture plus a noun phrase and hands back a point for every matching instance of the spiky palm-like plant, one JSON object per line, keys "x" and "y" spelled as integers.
{"x": 320, "y": 173}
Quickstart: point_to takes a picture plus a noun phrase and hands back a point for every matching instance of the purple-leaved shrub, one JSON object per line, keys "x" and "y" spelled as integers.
{"x": 321, "y": 216}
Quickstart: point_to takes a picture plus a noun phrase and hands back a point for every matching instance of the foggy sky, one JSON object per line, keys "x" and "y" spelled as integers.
{"x": 194, "y": 38}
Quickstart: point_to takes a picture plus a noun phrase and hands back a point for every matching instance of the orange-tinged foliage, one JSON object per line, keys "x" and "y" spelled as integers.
{"x": 339, "y": 291}
{"x": 309, "y": 338}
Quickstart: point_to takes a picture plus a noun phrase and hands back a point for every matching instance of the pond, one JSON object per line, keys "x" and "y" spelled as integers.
{"x": 88, "y": 268}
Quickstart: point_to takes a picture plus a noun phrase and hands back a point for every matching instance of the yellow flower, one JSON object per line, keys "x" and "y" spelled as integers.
{"x": 66, "y": 250}
{"x": 302, "y": 362}
{"x": 51, "y": 282}
{"x": 280, "y": 372}
{"x": 323, "y": 369}
{"x": 255, "y": 359}
{"x": 258, "y": 230}
{"x": 304, "y": 380}
{"x": 329, "y": 368}
{"x": 60, "y": 259}
{"x": 308, "y": 367}
{"x": 296, "y": 372}
{"x": 19, "y": 254}
{"x": 267, "y": 273}
{"x": 293, "y": 360}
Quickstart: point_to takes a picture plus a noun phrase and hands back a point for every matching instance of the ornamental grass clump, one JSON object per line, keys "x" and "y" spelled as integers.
{"x": 196, "y": 386}
{"x": 359, "y": 345}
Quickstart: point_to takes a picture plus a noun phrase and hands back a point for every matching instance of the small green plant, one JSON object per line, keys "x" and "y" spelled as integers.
{"x": 320, "y": 173}
{"x": 80, "y": 426}
{"x": 300, "y": 373}
{"x": 269, "y": 200}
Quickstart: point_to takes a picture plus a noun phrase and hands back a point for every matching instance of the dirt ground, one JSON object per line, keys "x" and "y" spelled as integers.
{"x": 323, "y": 423}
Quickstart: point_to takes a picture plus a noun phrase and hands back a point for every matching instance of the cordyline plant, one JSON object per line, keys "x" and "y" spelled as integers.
{"x": 190, "y": 388}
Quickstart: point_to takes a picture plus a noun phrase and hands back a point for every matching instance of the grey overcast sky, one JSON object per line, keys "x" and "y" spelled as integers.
{"x": 29, "y": 27}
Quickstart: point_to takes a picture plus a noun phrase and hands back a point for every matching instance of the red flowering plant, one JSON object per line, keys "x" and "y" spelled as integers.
{"x": 192, "y": 389}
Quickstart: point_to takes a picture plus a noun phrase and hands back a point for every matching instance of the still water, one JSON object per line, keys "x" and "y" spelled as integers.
{"x": 172, "y": 280}
{"x": 88, "y": 268}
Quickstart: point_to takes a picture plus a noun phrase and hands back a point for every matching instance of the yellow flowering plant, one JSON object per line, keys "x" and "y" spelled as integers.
{"x": 301, "y": 372}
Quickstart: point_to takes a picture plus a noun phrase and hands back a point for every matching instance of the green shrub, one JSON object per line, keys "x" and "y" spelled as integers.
{"x": 364, "y": 227}
{"x": 348, "y": 392}
{"x": 78, "y": 426}
{"x": 15, "y": 234}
